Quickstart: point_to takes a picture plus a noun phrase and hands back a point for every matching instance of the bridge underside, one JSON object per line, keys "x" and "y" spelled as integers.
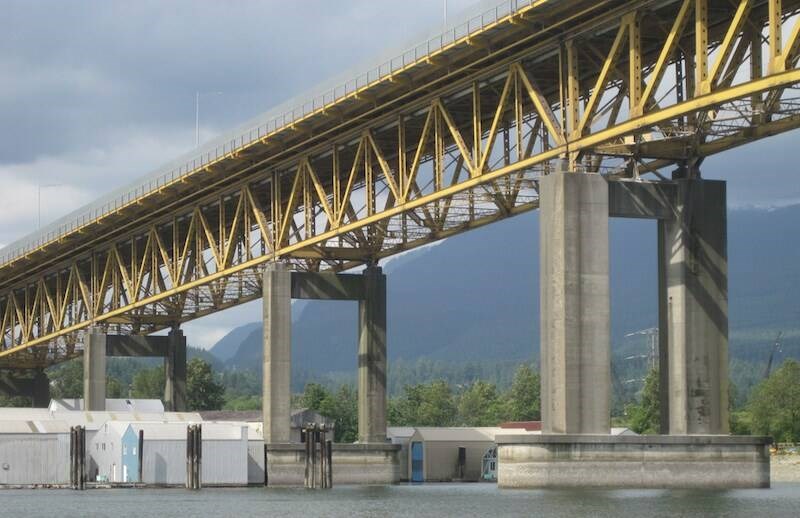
{"x": 442, "y": 145}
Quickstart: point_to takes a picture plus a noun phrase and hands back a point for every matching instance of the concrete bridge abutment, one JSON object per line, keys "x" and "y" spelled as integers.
{"x": 575, "y": 448}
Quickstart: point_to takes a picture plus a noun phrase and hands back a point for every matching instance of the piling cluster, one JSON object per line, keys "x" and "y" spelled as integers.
{"x": 318, "y": 473}
{"x": 194, "y": 456}
{"x": 77, "y": 457}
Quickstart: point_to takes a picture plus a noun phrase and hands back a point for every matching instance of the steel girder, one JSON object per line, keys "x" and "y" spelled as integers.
{"x": 622, "y": 89}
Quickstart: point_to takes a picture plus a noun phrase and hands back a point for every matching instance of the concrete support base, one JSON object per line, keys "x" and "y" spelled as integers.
{"x": 655, "y": 461}
{"x": 353, "y": 464}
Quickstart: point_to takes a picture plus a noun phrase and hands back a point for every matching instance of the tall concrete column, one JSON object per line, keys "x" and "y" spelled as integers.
{"x": 175, "y": 372}
{"x": 40, "y": 393}
{"x": 693, "y": 269}
{"x": 575, "y": 304}
{"x": 94, "y": 369}
{"x": 372, "y": 358}
{"x": 276, "y": 389}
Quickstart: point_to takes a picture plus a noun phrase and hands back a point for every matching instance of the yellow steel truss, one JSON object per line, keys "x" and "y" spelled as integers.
{"x": 620, "y": 88}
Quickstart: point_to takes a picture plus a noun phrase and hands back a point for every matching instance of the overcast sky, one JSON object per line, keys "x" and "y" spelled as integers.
{"x": 94, "y": 94}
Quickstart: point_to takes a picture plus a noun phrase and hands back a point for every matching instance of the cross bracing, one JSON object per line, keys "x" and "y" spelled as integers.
{"x": 623, "y": 88}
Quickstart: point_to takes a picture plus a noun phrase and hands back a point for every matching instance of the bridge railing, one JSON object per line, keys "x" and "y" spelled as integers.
{"x": 489, "y": 12}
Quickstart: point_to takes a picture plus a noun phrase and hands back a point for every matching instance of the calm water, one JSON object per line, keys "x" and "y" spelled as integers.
{"x": 403, "y": 500}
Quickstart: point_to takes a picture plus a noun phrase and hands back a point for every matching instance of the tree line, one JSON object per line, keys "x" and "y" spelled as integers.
{"x": 773, "y": 407}
{"x": 436, "y": 403}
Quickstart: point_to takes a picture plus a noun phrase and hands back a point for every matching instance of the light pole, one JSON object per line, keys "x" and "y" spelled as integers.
{"x": 197, "y": 115}
{"x": 39, "y": 201}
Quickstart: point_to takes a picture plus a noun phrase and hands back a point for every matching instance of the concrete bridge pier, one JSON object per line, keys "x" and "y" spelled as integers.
{"x": 575, "y": 448}
{"x": 693, "y": 310}
{"x": 175, "y": 371}
{"x": 277, "y": 369}
{"x": 98, "y": 346}
{"x": 372, "y": 358}
{"x": 575, "y": 300}
{"x": 94, "y": 369}
{"x": 29, "y": 383}
{"x": 372, "y": 461}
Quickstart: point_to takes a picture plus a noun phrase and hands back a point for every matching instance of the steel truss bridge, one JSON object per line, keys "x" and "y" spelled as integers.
{"x": 434, "y": 143}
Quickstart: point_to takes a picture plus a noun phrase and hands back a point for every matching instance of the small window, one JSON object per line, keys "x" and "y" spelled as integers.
{"x": 124, "y": 450}
{"x": 104, "y": 446}
{"x": 134, "y": 450}
{"x": 492, "y": 466}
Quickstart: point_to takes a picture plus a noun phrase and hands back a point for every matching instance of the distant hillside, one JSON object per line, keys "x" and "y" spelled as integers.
{"x": 475, "y": 297}
{"x": 229, "y": 344}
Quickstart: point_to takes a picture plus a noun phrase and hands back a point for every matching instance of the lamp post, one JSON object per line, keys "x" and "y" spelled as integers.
{"x": 197, "y": 114}
{"x": 39, "y": 201}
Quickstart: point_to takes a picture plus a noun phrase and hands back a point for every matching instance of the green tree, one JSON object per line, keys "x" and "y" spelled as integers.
{"x": 480, "y": 405}
{"x": 430, "y": 404}
{"x": 524, "y": 397}
{"x": 313, "y": 396}
{"x": 149, "y": 383}
{"x": 645, "y": 416}
{"x": 242, "y": 403}
{"x": 66, "y": 380}
{"x": 341, "y": 407}
{"x": 203, "y": 392}
{"x": 114, "y": 389}
{"x": 775, "y": 405}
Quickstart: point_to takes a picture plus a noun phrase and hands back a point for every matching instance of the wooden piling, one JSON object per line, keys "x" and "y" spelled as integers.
{"x": 329, "y": 462}
{"x": 141, "y": 457}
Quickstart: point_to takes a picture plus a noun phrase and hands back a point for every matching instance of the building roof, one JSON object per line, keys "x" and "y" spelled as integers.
{"x": 399, "y": 432}
{"x": 112, "y": 405}
{"x": 33, "y": 427}
{"x": 246, "y": 416}
{"x": 24, "y": 414}
{"x": 160, "y": 431}
{"x": 465, "y": 434}
{"x": 531, "y": 426}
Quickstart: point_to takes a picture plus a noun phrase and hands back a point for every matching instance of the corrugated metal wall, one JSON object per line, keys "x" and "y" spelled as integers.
{"x": 255, "y": 462}
{"x": 164, "y": 462}
{"x": 225, "y": 462}
{"x": 34, "y": 459}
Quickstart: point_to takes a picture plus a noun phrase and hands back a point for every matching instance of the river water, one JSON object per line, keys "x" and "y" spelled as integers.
{"x": 484, "y": 500}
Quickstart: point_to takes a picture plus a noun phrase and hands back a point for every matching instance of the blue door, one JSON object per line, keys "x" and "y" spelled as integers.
{"x": 416, "y": 462}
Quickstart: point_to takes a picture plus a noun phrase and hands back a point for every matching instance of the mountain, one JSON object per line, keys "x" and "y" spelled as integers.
{"x": 229, "y": 344}
{"x": 475, "y": 297}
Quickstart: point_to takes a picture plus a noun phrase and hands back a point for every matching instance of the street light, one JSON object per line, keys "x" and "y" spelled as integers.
{"x": 39, "y": 204}
{"x": 197, "y": 114}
